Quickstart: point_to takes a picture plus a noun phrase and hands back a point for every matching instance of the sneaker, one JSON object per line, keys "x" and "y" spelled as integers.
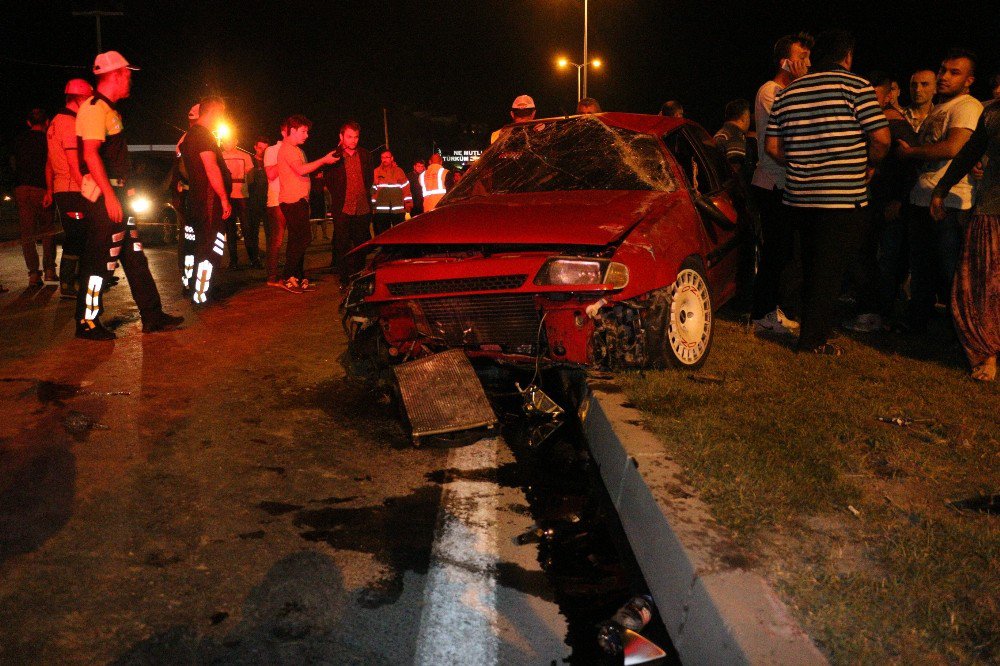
{"x": 160, "y": 321}
{"x": 775, "y": 322}
{"x": 292, "y": 285}
{"x": 864, "y": 323}
{"x": 88, "y": 329}
{"x": 305, "y": 285}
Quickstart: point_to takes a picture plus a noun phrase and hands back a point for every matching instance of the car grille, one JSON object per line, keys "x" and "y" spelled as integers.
{"x": 424, "y": 287}
{"x": 508, "y": 320}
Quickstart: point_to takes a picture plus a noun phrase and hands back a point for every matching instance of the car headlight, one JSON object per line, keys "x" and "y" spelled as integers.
{"x": 571, "y": 271}
{"x": 141, "y": 205}
{"x": 360, "y": 289}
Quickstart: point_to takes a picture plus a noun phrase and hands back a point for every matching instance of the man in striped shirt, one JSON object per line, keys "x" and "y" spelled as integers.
{"x": 828, "y": 131}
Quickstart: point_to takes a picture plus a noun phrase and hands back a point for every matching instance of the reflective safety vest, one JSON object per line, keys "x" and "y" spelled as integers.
{"x": 432, "y": 185}
{"x": 391, "y": 191}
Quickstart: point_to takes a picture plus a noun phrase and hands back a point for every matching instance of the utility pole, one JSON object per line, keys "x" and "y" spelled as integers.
{"x": 385, "y": 125}
{"x": 585, "y": 58}
{"x": 97, "y": 14}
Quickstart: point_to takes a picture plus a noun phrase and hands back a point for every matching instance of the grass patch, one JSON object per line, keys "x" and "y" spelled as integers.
{"x": 847, "y": 515}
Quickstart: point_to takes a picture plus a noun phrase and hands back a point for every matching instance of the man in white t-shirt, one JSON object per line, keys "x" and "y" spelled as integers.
{"x": 275, "y": 219}
{"x": 935, "y": 245}
{"x": 791, "y": 60}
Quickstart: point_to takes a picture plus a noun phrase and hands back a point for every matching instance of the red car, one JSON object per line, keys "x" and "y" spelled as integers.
{"x": 601, "y": 240}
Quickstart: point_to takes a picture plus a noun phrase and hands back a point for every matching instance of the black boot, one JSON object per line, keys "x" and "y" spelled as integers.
{"x": 68, "y": 278}
{"x": 160, "y": 321}
{"x": 93, "y": 330}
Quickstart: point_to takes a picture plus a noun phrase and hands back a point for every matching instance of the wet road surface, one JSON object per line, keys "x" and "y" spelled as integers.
{"x": 222, "y": 493}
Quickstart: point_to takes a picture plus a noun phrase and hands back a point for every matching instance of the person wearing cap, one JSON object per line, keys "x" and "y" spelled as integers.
{"x": 63, "y": 178}
{"x": 111, "y": 236}
{"x": 240, "y": 166}
{"x": 434, "y": 182}
{"x": 523, "y": 108}
{"x": 34, "y": 216}
{"x": 208, "y": 202}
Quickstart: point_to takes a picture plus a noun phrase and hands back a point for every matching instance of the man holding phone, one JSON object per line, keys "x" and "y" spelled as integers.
{"x": 791, "y": 59}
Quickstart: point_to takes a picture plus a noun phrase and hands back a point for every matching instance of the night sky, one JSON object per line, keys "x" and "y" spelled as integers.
{"x": 447, "y": 70}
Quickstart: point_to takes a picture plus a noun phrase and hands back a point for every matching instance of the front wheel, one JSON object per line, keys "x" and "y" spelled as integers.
{"x": 687, "y": 332}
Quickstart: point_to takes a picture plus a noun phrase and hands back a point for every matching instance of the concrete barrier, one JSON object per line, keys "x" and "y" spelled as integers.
{"x": 715, "y": 610}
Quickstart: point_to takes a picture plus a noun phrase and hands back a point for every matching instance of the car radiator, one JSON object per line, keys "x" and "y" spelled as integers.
{"x": 510, "y": 321}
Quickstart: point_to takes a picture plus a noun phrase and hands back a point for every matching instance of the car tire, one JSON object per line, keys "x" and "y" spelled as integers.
{"x": 687, "y": 321}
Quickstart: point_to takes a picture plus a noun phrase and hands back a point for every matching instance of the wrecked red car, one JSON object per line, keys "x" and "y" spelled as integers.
{"x": 603, "y": 240}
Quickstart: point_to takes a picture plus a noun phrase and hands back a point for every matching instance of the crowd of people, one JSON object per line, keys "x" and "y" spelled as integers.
{"x": 875, "y": 195}
{"x": 869, "y": 191}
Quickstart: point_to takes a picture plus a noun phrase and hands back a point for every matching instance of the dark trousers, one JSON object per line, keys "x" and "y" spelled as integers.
{"x": 276, "y": 224}
{"x": 865, "y": 273}
{"x": 237, "y": 218}
{"x": 108, "y": 243}
{"x": 934, "y": 251}
{"x": 70, "y": 205}
{"x": 830, "y": 238}
{"x": 251, "y": 228}
{"x": 209, "y": 246}
{"x": 36, "y": 225}
{"x": 349, "y": 231}
{"x": 384, "y": 221}
{"x": 893, "y": 261}
{"x": 299, "y": 237}
{"x": 777, "y": 250}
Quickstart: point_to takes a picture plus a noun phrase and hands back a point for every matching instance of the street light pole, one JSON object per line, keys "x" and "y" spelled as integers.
{"x": 97, "y": 15}
{"x": 579, "y": 68}
{"x": 585, "y": 58}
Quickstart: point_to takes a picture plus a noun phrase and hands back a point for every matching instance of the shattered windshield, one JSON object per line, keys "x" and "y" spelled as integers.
{"x": 579, "y": 153}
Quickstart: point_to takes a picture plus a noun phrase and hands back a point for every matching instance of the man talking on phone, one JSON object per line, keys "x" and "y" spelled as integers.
{"x": 791, "y": 59}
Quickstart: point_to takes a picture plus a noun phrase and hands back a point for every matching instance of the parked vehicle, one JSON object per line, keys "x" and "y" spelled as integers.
{"x": 601, "y": 240}
{"x": 151, "y": 202}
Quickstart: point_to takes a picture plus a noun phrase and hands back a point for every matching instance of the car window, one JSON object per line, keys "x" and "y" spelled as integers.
{"x": 714, "y": 158}
{"x": 572, "y": 154}
{"x": 695, "y": 161}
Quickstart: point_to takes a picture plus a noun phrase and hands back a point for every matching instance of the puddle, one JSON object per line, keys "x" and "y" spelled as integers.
{"x": 587, "y": 566}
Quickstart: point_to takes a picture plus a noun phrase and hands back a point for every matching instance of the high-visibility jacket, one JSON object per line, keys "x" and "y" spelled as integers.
{"x": 391, "y": 191}
{"x": 432, "y": 184}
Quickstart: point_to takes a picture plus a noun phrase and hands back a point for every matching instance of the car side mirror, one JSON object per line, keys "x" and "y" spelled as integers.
{"x": 708, "y": 208}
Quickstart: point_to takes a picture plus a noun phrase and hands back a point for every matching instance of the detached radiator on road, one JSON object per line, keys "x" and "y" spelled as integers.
{"x": 443, "y": 394}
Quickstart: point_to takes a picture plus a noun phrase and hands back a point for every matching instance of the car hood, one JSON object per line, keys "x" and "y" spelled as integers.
{"x": 589, "y": 217}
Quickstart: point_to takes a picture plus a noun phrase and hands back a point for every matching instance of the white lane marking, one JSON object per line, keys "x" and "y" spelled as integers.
{"x": 458, "y": 624}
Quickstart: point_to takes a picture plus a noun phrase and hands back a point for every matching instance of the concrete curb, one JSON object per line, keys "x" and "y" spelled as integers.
{"x": 715, "y": 611}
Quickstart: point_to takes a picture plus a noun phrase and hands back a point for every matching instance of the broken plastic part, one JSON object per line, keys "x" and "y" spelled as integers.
{"x": 594, "y": 309}
{"x": 536, "y": 402}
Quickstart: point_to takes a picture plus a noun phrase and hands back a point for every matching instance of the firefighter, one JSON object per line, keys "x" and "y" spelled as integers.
{"x": 391, "y": 196}
{"x": 111, "y": 235}
{"x": 63, "y": 177}
{"x": 434, "y": 182}
{"x": 208, "y": 201}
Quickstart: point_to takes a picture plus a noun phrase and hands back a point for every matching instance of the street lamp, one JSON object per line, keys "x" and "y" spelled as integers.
{"x": 581, "y": 73}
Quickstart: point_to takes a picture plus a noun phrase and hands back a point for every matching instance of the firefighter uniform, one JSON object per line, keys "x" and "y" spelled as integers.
{"x": 391, "y": 198}
{"x": 66, "y": 194}
{"x": 432, "y": 184}
{"x": 110, "y": 242}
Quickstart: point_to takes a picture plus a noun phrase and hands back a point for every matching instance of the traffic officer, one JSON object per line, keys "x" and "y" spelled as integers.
{"x": 111, "y": 235}
{"x": 63, "y": 178}
{"x": 434, "y": 182}
{"x": 208, "y": 201}
{"x": 391, "y": 196}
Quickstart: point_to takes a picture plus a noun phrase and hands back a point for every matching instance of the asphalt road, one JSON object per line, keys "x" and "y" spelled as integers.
{"x": 221, "y": 493}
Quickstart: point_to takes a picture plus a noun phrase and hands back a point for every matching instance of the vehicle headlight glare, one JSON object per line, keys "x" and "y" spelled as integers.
{"x": 141, "y": 205}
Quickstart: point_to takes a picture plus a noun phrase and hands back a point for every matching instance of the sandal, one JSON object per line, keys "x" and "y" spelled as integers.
{"x": 985, "y": 372}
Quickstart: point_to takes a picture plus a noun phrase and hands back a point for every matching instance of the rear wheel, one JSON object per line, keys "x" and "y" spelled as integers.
{"x": 687, "y": 332}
